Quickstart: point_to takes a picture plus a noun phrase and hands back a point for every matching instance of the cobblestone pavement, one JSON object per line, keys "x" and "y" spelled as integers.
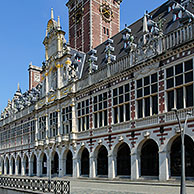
{"x": 103, "y": 187}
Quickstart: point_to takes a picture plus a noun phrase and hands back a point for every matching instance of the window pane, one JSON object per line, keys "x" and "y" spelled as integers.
{"x": 127, "y": 97}
{"x": 100, "y": 97}
{"x": 121, "y": 90}
{"x": 147, "y": 90}
{"x": 154, "y": 88}
{"x": 147, "y": 106}
{"x": 116, "y": 115}
{"x": 179, "y": 80}
{"x": 79, "y": 124}
{"x": 105, "y": 118}
{"x": 170, "y": 83}
{"x": 95, "y": 120}
{"x": 146, "y": 81}
{"x": 121, "y": 115}
{"x": 154, "y": 105}
{"x": 189, "y": 65}
{"x": 179, "y": 98}
{"x": 154, "y": 78}
{"x": 95, "y": 107}
{"x": 105, "y": 96}
{"x": 87, "y": 122}
{"x": 100, "y": 106}
{"x": 83, "y": 123}
{"x": 120, "y": 99}
{"x": 169, "y": 72}
{"x": 139, "y": 93}
{"x": 179, "y": 68}
{"x": 95, "y": 99}
{"x": 140, "y": 108}
{"x": 105, "y": 104}
{"x": 127, "y": 109}
{"x": 115, "y": 92}
{"x": 139, "y": 83}
{"x": 114, "y": 101}
{"x": 189, "y": 95}
{"x": 100, "y": 119}
{"x": 189, "y": 77}
{"x": 170, "y": 100}
{"x": 126, "y": 88}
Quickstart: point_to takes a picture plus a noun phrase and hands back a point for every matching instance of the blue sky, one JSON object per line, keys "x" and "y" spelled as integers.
{"x": 23, "y": 27}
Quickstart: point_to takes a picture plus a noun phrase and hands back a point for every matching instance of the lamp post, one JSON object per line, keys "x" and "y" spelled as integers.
{"x": 182, "y": 131}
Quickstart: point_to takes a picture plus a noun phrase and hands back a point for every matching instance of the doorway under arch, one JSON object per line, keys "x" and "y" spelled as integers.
{"x": 34, "y": 166}
{"x": 123, "y": 160}
{"x": 149, "y": 159}
{"x": 44, "y": 164}
{"x": 69, "y": 163}
{"x": 19, "y": 165}
{"x": 7, "y": 165}
{"x": 13, "y": 165}
{"x": 175, "y": 157}
{"x": 85, "y": 162}
{"x": 55, "y": 164}
{"x": 102, "y": 161}
{"x": 26, "y": 164}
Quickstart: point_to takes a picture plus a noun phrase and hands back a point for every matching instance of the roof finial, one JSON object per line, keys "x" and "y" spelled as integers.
{"x": 52, "y": 14}
{"x": 18, "y": 86}
{"x": 145, "y": 24}
{"x": 58, "y": 22}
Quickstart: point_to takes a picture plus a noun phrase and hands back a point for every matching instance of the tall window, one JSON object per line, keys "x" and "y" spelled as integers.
{"x": 32, "y": 131}
{"x": 179, "y": 85}
{"x": 42, "y": 128}
{"x": 67, "y": 119}
{"x": 83, "y": 115}
{"x": 121, "y": 104}
{"x": 147, "y": 97}
{"x": 53, "y": 124}
{"x": 100, "y": 105}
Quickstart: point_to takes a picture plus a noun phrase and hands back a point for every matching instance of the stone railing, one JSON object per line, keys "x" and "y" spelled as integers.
{"x": 35, "y": 185}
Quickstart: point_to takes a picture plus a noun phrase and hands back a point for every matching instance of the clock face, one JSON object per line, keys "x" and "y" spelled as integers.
{"x": 37, "y": 77}
{"x": 106, "y": 12}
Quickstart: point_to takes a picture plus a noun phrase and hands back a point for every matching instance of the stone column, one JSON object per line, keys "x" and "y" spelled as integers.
{"x": 30, "y": 167}
{"x": 111, "y": 166}
{"x": 163, "y": 166}
{"x": 23, "y": 166}
{"x": 49, "y": 167}
{"x": 135, "y": 166}
{"x": 92, "y": 167}
{"x": 47, "y": 127}
{"x": 39, "y": 166}
{"x": 60, "y": 166}
{"x": 74, "y": 119}
{"x": 16, "y": 167}
{"x": 76, "y": 167}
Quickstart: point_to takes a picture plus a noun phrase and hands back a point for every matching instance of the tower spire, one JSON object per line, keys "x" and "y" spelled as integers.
{"x": 58, "y": 23}
{"x": 52, "y": 14}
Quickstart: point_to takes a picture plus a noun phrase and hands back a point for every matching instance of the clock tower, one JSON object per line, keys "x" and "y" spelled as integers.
{"x": 92, "y": 22}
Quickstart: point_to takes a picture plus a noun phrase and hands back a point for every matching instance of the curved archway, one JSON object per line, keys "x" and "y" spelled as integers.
{"x": 102, "y": 161}
{"x": 175, "y": 157}
{"x": 124, "y": 160}
{"x": 149, "y": 159}
{"x": 69, "y": 163}
{"x": 55, "y": 164}
{"x": 7, "y": 165}
{"x": 85, "y": 162}
{"x": 19, "y": 165}
{"x": 13, "y": 165}
{"x": 44, "y": 164}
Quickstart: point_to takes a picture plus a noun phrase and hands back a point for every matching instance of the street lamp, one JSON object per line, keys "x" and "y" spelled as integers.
{"x": 182, "y": 131}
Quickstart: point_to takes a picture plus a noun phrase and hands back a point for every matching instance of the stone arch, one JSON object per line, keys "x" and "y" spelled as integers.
{"x": 7, "y": 165}
{"x": 101, "y": 154}
{"x": 149, "y": 158}
{"x": 55, "y": 163}
{"x": 19, "y": 165}
{"x": 175, "y": 156}
{"x": 13, "y": 164}
{"x": 122, "y": 152}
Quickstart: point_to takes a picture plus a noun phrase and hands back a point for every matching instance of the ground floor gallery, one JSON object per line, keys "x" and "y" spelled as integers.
{"x": 147, "y": 159}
